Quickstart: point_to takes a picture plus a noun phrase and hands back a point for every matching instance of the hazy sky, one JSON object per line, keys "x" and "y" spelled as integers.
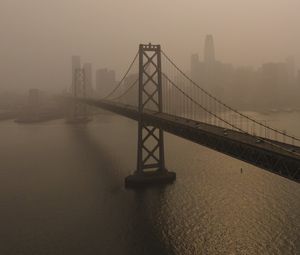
{"x": 38, "y": 37}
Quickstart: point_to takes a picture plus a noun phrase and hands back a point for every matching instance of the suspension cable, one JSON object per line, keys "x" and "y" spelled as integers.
{"x": 195, "y": 102}
{"x": 125, "y": 75}
{"x": 126, "y": 92}
{"x": 225, "y": 105}
{"x": 216, "y": 116}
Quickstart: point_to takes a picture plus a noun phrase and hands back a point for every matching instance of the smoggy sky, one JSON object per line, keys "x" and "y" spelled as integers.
{"x": 38, "y": 37}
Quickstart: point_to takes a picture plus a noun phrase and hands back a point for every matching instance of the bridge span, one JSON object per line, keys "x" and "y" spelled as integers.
{"x": 283, "y": 159}
{"x": 161, "y": 97}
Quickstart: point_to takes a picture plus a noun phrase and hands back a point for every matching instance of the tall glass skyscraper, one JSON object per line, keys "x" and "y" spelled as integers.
{"x": 209, "y": 50}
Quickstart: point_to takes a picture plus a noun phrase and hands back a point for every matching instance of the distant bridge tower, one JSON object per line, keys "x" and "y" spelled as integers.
{"x": 150, "y": 153}
{"x": 78, "y": 111}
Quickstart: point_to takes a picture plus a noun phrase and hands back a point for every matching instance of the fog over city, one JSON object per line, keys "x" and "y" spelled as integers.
{"x": 138, "y": 127}
{"x": 38, "y": 37}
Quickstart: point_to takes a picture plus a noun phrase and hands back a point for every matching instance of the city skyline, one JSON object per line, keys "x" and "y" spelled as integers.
{"x": 149, "y": 127}
{"x": 248, "y": 33}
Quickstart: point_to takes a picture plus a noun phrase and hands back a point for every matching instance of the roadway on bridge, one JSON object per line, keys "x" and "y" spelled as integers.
{"x": 287, "y": 150}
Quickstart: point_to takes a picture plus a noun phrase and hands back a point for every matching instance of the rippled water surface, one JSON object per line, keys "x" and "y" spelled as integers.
{"x": 62, "y": 192}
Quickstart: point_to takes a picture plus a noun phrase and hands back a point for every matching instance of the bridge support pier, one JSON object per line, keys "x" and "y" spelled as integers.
{"x": 149, "y": 178}
{"x": 150, "y": 155}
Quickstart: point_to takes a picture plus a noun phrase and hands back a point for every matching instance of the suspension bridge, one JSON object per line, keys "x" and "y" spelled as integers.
{"x": 157, "y": 94}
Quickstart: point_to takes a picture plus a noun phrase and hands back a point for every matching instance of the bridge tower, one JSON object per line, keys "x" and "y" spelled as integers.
{"x": 78, "y": 111}
{"x": 150, "y": 152}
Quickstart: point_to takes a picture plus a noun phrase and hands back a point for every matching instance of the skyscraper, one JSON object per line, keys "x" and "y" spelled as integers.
{"x": 88, "y": 74}
{"x": 209, "y": 50}
{"x": 75, "y": 65}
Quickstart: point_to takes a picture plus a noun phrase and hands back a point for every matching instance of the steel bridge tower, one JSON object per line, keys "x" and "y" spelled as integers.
{"x": 150, "y": 152}
{"x": 78, "y": 111}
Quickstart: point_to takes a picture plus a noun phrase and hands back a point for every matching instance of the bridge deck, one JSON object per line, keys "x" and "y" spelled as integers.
{"x": 279, "y": 158}
{"x": 268, "y": 144}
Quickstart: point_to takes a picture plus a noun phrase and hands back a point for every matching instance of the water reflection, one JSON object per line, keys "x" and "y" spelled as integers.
{"x": 62, "y": 192}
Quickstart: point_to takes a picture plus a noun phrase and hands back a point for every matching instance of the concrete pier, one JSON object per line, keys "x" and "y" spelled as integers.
{"x": 151, "y": 178}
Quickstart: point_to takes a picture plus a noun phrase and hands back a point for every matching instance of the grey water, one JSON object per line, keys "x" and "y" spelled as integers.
{"x": 62, "y": 192}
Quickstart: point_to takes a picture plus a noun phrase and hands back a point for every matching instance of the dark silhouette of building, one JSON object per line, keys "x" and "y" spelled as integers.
{"x": 210, "y": 73}
{"x": 209, "y": 50}
{"x": 76, "y": 64}
{"x": 274, "y": 83}
{"x": 266, "y": 87}
{"x": 88, "y": 76}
